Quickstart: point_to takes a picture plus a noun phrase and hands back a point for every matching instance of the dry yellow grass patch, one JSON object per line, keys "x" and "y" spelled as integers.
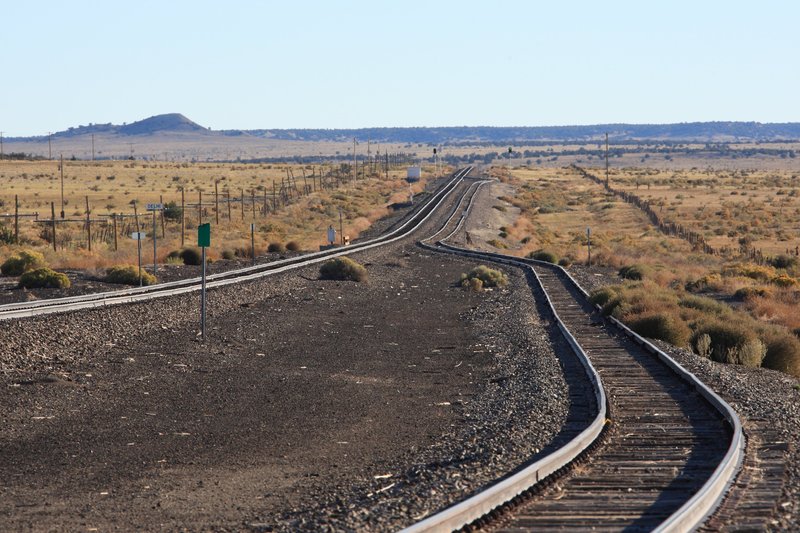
{"x": 113, "y": 188}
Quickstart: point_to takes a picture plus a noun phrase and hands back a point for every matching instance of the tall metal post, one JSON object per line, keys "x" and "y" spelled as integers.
{"x": 253, "y": 242}
{"x": 203, "y": 299}
{"x": 155, "y": 238}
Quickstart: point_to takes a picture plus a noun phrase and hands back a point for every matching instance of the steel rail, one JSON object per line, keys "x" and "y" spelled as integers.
{"x": 495, "y": 496}
{"x": 57, "y": 305}
{"x": 688, "y": 516}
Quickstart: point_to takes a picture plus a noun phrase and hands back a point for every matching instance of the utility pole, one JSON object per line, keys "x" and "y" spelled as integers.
{"x": 341, "y": 227}
{"x": 369, "y": 157}
{"x": 92, "y": 146}
{"x": 61, "y": 166}
{"x": 50, "y": 146}
{"x": 1, "y": 145}
{"x": 606, "y": 160}
{"x": 354, "y": 159}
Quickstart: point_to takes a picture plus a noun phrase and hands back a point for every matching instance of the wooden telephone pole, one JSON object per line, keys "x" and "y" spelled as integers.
{"x": 606, "y": 160}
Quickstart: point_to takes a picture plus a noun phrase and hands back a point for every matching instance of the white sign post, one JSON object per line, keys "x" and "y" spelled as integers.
{"x": 138, "y": 236}
{"x": 154, "y": 208}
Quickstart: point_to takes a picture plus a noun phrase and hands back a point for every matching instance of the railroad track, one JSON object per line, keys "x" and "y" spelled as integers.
{"x": 670, "y": 446}
{"x": 59, "y": 305}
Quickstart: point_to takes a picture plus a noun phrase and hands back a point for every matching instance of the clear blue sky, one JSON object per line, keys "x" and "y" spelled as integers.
{"x": 329, "y": 64}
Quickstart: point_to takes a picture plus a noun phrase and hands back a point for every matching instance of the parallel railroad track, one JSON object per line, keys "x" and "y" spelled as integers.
{"x": 669, "y": 451}
{"x": 58, "y": 305}
{"x": 668, "y": 454}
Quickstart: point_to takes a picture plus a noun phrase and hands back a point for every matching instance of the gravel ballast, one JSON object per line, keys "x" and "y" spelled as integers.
{"x": 313, "y": 405}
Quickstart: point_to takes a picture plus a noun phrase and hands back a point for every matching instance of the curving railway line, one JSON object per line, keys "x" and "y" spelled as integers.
{"x": 659, "y": 454}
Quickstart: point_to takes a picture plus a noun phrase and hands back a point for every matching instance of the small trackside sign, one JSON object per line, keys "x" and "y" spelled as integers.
{"x": 138, "y": 235}
{"x": 204, "y": 235}
{"x": 154, "y": 207}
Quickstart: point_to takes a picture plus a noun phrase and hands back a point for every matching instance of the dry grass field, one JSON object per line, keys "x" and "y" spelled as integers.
{"x": 191, "y": 147}
{"x": 675, "y": 290}
{"x": 757, "y": 207}
{"x": 113, "y": 187}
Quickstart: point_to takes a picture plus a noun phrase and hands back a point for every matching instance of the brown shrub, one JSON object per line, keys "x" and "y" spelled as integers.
{"x": 342, "y": 268}
{"x": 783, "y": 352}
{"x": 732, "y": 342}
{"x": 663, "y": 326}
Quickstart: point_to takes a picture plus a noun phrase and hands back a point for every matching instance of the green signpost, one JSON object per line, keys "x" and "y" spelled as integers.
{"x": 203, "y": 241}
{"x": 204, "y": 235}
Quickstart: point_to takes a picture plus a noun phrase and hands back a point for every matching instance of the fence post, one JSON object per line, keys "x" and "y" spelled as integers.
{"x": 114, "y": 222}
{"x": 88, "y": 225}
{"x": 163, "y": 225}
{"x": 216, "y": 200}
{"x": 183, "y": 219}
{"x": 53, "y": 222}
{"x": 16, "y": 219}
{"x": 136, "y": 216}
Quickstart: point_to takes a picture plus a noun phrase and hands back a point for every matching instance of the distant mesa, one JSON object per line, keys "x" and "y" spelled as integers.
{"x": 169, "y": 122}
{"x": 178, "y": 125}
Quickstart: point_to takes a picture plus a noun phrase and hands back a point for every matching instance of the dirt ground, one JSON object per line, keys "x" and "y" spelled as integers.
{"x": 303, "y": 389}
